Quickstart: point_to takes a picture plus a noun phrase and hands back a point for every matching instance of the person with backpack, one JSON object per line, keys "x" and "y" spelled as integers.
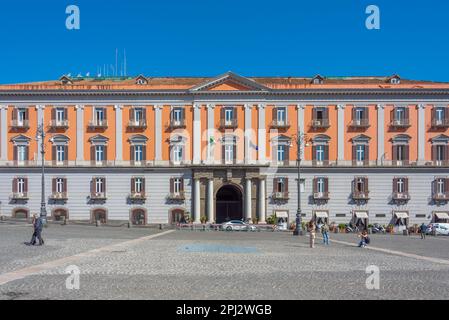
{"x": 325, "y": 233}
{"x": 364, "y": 239}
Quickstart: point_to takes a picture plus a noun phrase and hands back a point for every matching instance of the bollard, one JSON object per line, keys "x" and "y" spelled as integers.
{"x": 129, "y": 225}
{"x": 160, "y": 226}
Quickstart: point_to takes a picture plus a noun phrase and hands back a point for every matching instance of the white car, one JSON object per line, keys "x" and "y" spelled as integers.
{"x": 237, "y": 225}
{"x": 440, "y": 228}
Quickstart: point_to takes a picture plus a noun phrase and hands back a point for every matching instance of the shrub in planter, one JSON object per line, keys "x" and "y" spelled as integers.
{"x": 203, "y": 219}
{"x": 271, "y": 219}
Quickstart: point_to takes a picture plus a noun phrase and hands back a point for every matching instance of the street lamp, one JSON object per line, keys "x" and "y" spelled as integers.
{"x": 40, "y": 134}
{"x": 300, "y": 141}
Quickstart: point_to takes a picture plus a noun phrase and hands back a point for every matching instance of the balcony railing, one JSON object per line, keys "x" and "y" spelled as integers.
{"x": 360, "y": 195}
{"x": 98, "y": 124}
{"x": 400, "y": 123}
{"x": 20, "y": 124}
{"x": 320, "y": 123}
{"x": 440, "y": 123}
{"x": 359, "y": 123}
{"x": 59, "y": 196}
{"x": 280, "y": 196}
{"x": 59, "y": 124}
{"x": 400, "y": 196}
{"x": 177, "y": 124}
{"x": 137, "y": 124}
{"x": 441, "y": 196}
{"x": 137, "y": 196}
{"x": 98, "y": 196}
{"x": 321, "y": 195}
{"x": 176, "y": 196}
{"x": 228, "y": 124}
{"x": 280, "y": 124}
{"x": 19, "y": 196}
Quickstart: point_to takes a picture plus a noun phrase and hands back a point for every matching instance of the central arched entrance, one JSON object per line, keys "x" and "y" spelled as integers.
{"x": 229, "y": 204}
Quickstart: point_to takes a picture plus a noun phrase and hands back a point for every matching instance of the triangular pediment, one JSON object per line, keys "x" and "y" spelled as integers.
{"x": 230, "y": 82}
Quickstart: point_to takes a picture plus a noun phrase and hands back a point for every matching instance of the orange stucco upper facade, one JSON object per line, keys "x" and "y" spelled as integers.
{"x": 229, "y": 119}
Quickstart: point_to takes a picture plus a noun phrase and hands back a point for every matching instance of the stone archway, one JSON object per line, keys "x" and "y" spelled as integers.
{"x": 229, "y": 204}
{"x": 21, "y": 213}
{"x": 138, "y": 216}
{"x": 178, "y": 215}
{"x": 60, "y": 213}
{"x": 100, "y": 215}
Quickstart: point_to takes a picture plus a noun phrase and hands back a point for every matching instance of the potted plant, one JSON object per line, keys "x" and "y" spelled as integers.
{"x": 271, "y": 219}
{"x": 342, "y": 227}
{"x": 203, "y": 219}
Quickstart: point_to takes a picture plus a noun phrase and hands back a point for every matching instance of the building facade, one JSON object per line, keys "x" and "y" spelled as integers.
{"x": 160, "y": 150}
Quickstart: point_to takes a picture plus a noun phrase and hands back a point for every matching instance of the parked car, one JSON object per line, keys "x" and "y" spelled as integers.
{"x": 440, "y": 228}
{"x": 237, "y": 225}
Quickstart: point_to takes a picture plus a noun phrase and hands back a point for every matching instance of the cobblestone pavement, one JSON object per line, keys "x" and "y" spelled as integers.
{"x": 219, "y": 265}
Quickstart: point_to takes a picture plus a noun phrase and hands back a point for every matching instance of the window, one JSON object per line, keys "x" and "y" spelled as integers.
{"x": 99, "y": 185}
{"x": 359, "y": 114}
{"x": 401, "y": 186}
{"x": 440, "y": 185}
{"x": 280, "y": 185}
{"x": 281, "y": 115}
{"x": 229, "y": 115}
{"x": 281, "y": 152}
{"x": 138, "y": 153}
{"x": 99, "y": 115}
{"x": 60, "y": 115}
{"x": 399, "y": 114}
{"x": 99, "y": 153}
{"x": 138, "y": 114}
{"x": 319, "y": 156}
{"x": 178, "y": 153}
{"x": 360, "y": 153}
{"x": 440, "y": 152}
{"x": 439, "y": 114}
{"x": 22, "y": 153}
{"x": 21, "y": 116}
{"x": 320, "y": 185}
{"x": 59, "y": 185}
{"x": 21, "y": 185}
{"x": 138, "y": 185}
{"x": 60, "y": 153}
{"x": 177, "y": 114}
{"x": 177, "y": 185}
{"x": 229, "y": 153}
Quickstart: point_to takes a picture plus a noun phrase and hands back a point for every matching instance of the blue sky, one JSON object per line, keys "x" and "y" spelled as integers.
{"x": 209, "y": 37}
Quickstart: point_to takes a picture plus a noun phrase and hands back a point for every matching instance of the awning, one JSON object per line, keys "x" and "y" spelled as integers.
{"x": 321, "y": 214}
{"x": 441, "y": 215}
{"x": 281, "y": 214}
{"x": 361, "y": 214}
{"x": 401, "y": 215}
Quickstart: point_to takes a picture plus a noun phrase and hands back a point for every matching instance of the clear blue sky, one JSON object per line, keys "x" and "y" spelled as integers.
{"x": 209, "y": 37}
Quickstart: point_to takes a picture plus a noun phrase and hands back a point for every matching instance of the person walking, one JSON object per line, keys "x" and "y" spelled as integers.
{"x": 37, "y": 232}
{"x": 312, "y": 234}
{"x": 325, "y": 233}
{"x": 423, "y": 229}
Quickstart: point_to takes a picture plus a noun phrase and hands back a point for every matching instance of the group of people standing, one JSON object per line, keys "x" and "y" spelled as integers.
{"x": 324, "y": 229}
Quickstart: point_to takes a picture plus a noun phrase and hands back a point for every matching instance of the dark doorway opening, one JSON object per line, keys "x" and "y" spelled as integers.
{"x": 229, "y": 204}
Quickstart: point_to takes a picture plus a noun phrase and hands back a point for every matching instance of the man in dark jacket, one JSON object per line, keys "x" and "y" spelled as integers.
{"x": 37, "y": 234}
{"x": 423, "y": 230}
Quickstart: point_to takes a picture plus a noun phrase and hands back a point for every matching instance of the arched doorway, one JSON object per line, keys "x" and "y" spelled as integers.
{"x": 59, "y": 214}
{"x": 21, "y": 213}
{"x": 229, "y": 204}
{"x": 99, "y": 215}
{"x": 178, "y": 216}
{"x": 138, "y": 217}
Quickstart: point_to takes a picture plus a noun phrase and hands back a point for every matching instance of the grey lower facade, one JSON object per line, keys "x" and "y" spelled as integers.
{"x": 253, "y": 185}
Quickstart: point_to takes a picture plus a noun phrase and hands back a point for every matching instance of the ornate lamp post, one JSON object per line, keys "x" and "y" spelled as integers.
{"x": 300, "y": 141}
{"x": 40, "y": 134}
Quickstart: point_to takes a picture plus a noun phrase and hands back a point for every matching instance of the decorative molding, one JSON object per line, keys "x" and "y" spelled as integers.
{"x": 300, "y": 107}
{"x": 118, "y": 106}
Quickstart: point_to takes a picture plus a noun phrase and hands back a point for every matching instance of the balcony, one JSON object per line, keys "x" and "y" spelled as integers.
{"x": 321, "y": 195}
{"x": 137, "y": 196}
{"x": 228, "y": 124}
{"x": 440, "y": 123}
{"x": 20, "y": 124}
{"x": 176, "y": 196}
{"x": 98, "y": 124}
{"x": 280, "y": 196}
{"x": 98, "y": 196}
{"x": 177, "y": 124}
{"x": 280, "y": 124}
{"x": 320, "y": 124}
{"x": 359, "y": 124}
{"x": 59, "y": 124}
{"x": 59, "y": 196}
{"x": 400, "y": 123}
{"x": 397, "y": 196}
{"x": 441, "y": 196}
{"x": 360, "y": 195}
{"x": 137, "y": 124}
{"x": 19, "y": 196}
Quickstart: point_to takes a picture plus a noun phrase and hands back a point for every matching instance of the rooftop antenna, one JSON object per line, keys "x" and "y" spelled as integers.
{"x": 124, "y": 62}
{"x": 116, "y": 62}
